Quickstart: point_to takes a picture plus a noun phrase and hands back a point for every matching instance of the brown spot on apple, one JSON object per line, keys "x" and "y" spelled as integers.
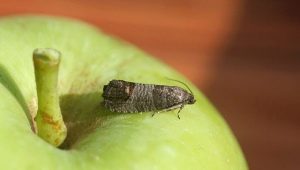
{"x": 56, "y": 125}
{"x": 57, "y": 141}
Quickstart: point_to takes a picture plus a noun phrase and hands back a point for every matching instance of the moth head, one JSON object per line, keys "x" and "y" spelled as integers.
{"x": 191, "y": 99}
{"x": 188, "y": 97}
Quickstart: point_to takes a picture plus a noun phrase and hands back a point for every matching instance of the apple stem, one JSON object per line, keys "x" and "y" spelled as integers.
{"x": 49, "y": 120}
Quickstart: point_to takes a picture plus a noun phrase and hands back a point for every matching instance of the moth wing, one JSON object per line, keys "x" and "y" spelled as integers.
{"x": 163, "y": 92}
{"x": 166, "y": 97}
{"x": 118, "y": 90}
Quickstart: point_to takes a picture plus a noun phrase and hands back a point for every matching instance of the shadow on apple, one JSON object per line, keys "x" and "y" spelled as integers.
{"x": 9, "y": 83}
{"x": 82, "y": 113}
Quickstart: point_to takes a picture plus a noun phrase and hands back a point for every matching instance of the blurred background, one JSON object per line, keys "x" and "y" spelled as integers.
{"x": 243, "y": 54}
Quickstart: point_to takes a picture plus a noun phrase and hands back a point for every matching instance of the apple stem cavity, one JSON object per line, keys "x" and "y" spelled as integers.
{"x": 49, "y": 120}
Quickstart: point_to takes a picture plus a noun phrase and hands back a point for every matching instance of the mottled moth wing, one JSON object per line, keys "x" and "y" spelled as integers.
{"x": 118, "y": 90}
{"x": 167, "y": 97}
{"x": 116, "y": 94}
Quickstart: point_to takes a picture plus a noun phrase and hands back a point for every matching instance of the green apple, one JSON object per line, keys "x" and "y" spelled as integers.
{"x": 96, "y": 137}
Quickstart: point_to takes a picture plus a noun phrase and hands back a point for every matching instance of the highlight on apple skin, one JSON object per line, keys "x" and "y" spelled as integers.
{"x": 97, "y": 138}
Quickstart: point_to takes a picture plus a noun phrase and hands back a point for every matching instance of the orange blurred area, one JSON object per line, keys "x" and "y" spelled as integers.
{"x": 184, "y": 34}
{"x": 244, "y": 55}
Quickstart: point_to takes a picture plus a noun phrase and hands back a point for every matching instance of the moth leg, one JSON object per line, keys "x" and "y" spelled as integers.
{"x": 155, "y": 112}
{"x": 181, "y": 107}
{"x": 169, "y": 109}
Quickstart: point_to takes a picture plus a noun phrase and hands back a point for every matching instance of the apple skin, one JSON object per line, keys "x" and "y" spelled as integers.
{"x": 100, "y": 139}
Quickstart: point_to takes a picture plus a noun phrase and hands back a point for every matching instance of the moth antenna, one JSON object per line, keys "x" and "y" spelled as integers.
{"x": 182, "y": 83}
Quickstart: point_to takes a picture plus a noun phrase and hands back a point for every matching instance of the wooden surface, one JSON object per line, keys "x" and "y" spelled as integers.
{"x": 244, "y": 55}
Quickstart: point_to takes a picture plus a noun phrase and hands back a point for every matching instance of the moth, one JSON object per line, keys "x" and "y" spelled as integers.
{"x": 129, "y": 97}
